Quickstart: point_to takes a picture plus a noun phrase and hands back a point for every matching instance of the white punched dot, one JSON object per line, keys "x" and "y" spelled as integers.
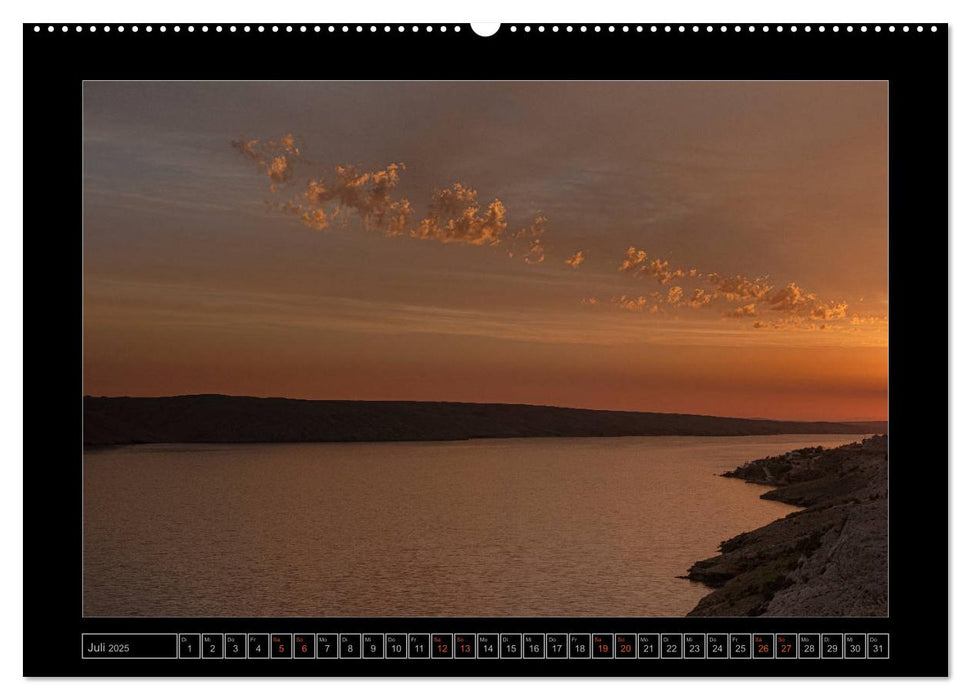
{"x": 920, "y": 29}
{"x": 77, "y": 28}
{"x": 710, "y": 28}
{"x": 863, "y": 28}
{"x": 583, "y": 29}
{"x": 512, "y": 29}
{"x": 877, "y": 29}
{"x": 317, "y": 28}
{"x": 779, "y": 28}
{"x": 836, "y": 29}
{"x": 724, "y": 28}
{"x": 694, "y": 28}
{"x": 570, "y": 28}
{"x": 625, "y": 28}
{"x": 360, "y": 28}
{"x": 36, "y": 28}
{"x": 933, "y": 29}
{"x": 458, "y": 28}
{"x": 667, "y": 27}
{"x": 246, "y": 28}
{"x": 64, "y": 28}
{"x": 597, "y": 28}
{"x": 893, "y": 29}
{"x": 765, "y": 28}
{"x": 93, "y": 28}
{"x": 681, "y": 28}
{"x": 429, "y": 28}
{"x": 849, "y": 29}
{"x": 906, "y": 29}
{"x": 653, "y": 28}
{"x": 122, "y": 29}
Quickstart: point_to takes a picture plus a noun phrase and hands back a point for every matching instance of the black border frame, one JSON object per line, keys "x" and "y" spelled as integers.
{"x": 914, "y": 62}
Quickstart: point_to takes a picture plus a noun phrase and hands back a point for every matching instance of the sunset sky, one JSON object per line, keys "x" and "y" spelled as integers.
{"x": 693, "y": 247}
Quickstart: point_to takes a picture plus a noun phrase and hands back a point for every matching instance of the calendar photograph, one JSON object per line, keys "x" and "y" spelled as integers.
{"x": 483, "y": 348}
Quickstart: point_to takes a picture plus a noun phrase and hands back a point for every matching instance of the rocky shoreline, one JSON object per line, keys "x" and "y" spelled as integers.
{"x": 829, "y": 559}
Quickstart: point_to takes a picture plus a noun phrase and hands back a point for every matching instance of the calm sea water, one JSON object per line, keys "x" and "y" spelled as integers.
{"x": 524, "y": 527}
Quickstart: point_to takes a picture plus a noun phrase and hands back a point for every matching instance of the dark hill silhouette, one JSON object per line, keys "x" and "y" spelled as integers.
{"x": 217, "y": 418}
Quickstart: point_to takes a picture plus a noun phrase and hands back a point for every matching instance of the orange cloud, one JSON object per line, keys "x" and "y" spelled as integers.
{"x": 637, "y": 304}
{"x": 274, "y": 157}
{"x": 743, "y": 311}
{"x": 368, "y": 195}
{"x": 797, "y": 307}
{"x": 454, "y": 214}
{"x": 575, "y": 260}
{"x": 739, "y": 288}
{"x": 639, "y": 263}
{"x": 528, "y": 244}
{"x": 699, "y": 299}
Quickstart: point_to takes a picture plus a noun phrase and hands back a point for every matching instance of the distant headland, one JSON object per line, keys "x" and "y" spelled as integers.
{"x": 238, "y": 419}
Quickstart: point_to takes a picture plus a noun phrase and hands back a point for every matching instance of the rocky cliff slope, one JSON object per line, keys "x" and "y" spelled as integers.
{"x": 829, "y": 559}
